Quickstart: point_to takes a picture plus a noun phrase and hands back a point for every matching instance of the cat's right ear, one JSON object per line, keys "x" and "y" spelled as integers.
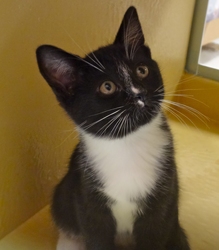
{"x": 130, "y": 33}
{"x": 59, "y": 69}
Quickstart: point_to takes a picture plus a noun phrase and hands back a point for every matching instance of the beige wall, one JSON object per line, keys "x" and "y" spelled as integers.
{"x": 36, "y": 137}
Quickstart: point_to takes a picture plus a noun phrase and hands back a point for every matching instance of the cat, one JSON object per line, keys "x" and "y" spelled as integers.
{"x": 121, "y": 188}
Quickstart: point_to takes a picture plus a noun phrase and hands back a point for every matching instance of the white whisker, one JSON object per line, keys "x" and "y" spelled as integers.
{"x": 73, "y": 132}
{"x": 83, "y": 52}
{"x": 105, "y": 117}
{"x": 90, "y": 64}
{"x": 171, "y": 94}
{"x": 105, "y": 111}
{"x": 187, "y": 96}
{"x": 113, "y": 132}
{"x": 107, "y": 125}
{"x": 159, "y": 89}
{"x": 203, "y": 118}
{"x": 98, "y": 61}
{"x": 175, "y": 112}
{"x": 126, "y": 125}
{"x": 95, "y": 60}
{"x": 121, "y": 125}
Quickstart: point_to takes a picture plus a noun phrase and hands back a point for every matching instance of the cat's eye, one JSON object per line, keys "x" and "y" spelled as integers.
{"x": 108, "y": 88}
{"x": 142, "y": 71}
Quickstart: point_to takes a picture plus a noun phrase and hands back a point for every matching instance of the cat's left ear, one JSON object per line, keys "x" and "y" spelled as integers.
{"x": 130, "y": 33}
{"x": 60, "y": 70}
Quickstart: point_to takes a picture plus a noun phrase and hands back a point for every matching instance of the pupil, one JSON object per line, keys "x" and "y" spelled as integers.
{"x": 108, "y": 86}
{"x": 141, "y": 70}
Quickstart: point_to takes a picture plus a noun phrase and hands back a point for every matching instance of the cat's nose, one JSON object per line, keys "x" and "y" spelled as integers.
{"x": 141, "y": 99}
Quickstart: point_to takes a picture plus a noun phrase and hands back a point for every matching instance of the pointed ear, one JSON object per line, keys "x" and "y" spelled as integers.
{"x": 130, "y": 33}
{"x": 59, "y": 69}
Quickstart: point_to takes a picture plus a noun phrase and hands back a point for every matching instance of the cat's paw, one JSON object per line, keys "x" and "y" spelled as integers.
{"x": 66, "y": 242}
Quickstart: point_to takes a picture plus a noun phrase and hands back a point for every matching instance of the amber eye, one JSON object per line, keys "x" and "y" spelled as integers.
{"x": 108, "y": 88}
{"x": 142, "y": 71}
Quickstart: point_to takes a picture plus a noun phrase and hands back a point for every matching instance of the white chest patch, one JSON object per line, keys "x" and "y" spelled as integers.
{"x": 128, "y": 167}
{"x": 124, "y": 212}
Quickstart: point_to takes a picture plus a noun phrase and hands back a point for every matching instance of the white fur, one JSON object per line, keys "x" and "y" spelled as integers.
{"x": 124, "y": 73}
{"x": 66, "y": 242}
{"x": 140, "y": 103}
{"x": 128, "y": 167}
{"x": 135, "y": 90}
{"x": 123, "y": 212}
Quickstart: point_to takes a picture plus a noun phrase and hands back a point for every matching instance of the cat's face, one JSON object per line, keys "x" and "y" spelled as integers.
{"x": 113, "y": 90}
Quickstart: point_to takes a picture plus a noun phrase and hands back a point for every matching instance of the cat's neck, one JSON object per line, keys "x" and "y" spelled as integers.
{"x": 128, "y": 167}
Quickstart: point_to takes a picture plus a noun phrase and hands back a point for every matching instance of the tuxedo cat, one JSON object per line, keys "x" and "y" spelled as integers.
{"x": 121, "y": 188}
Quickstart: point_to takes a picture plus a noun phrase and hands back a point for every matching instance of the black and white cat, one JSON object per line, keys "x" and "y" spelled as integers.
{"x": 121, "y": 189}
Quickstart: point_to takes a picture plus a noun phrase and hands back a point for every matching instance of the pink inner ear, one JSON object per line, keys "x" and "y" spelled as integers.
{"x": 62, "y": 78}
{"x": 61, "y": 73}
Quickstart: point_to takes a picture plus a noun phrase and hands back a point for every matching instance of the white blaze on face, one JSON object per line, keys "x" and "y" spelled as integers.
{"x": 135, "y": 90}
{"x": 124, "y": 74}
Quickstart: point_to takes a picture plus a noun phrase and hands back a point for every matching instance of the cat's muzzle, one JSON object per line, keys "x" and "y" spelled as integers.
{"x": 141, "y": 100}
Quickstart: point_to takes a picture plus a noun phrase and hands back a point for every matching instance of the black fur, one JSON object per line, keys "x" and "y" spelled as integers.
{"x": 79, "y": 206}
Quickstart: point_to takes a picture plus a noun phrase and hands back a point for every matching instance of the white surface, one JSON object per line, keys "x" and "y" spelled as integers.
{"x": 209, "y": 55}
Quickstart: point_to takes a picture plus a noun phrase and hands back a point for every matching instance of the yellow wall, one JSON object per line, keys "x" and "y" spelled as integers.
{"x": 36, "y": 137}
{"x": 199, "y": 94}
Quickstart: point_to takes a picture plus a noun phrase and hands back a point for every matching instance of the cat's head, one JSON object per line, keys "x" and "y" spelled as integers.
{"x": 112, "y": 91}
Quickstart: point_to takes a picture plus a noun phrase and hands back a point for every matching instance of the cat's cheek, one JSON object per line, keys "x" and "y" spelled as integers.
{"x": 70, "y": 242}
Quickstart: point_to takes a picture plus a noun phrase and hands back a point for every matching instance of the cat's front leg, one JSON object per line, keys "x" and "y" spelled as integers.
{"x": 97, "y": 224}
{"x": 99, "y": 235}
{"x": 160, "y": 233}
{"x": 149, "y": 232}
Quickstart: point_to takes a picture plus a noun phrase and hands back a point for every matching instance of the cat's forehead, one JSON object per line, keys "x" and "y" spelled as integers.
{"x": 124, "y": 72}
{"x": 111, "y": 59}
{"x": 116, "y": 56}
{"x": 110, "y": 54}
